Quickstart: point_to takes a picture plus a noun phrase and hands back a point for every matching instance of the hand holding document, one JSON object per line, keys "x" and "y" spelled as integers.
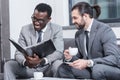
{"x": 42, "y": 49}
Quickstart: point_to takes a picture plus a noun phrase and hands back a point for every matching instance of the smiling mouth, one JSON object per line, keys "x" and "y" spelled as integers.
{"x": 37, "y": 27}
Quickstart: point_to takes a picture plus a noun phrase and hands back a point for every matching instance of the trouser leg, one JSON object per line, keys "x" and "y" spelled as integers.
{"x": 9, "y": 70}
{"x": 105, "y": 72}
{"x": 64, "y": 71}
{"x": 55, "y": 66}
{"x": 82, "y": 74}
{"x": 13, "y": 69}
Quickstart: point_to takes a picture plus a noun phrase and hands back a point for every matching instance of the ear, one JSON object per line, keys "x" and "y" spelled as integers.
{"x": 85, "y": 16}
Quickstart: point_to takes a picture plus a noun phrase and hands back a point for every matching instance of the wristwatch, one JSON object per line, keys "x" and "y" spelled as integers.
{"x": 90, "y": 63}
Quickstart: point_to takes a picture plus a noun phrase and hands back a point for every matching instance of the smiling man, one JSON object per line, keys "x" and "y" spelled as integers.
{"x": 41, "y": 29}
{"x": 98, "y": 53}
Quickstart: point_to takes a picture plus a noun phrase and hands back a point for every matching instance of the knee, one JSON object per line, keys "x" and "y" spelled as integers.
{"x": 60, "y": 69}
{"x": 63, "y": 68}
{"x": 98, "y": 71}
{"x": 56, "y": 65}
{"x": 64, "y": 71}
{"x": 10, "y": 64}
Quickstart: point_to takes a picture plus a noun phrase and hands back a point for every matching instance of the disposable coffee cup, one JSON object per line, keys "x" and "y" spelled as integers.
{"x": 73, "y": 51}
{"x": 38, "y": 75}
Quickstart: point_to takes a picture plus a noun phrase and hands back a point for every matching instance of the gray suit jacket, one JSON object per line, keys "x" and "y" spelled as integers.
{"x": 28, "y": 37}
{"x": 103, "y": 48}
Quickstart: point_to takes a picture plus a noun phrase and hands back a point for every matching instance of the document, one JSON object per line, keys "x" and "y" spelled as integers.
{"x": 42, "y": 49}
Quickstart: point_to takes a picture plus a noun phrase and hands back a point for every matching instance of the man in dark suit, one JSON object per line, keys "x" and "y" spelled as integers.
{"x": 39, "y": 31}
{"x": 100, "y": 60}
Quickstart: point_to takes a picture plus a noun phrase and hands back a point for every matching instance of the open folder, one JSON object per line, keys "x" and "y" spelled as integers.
{"x": 41, "y": 49}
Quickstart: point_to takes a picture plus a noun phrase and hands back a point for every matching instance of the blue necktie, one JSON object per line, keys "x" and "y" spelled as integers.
{"x": 39, "y": 36}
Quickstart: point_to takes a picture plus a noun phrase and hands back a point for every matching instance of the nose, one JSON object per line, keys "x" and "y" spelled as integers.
{"x": 73, "y": 21}
{"x": 37, "y": 23}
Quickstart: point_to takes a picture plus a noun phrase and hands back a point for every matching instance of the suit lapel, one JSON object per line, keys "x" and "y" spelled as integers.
{"x": 33, "y": 36}
{"x": 81, "y": 47}
{"x": 92, "y": 36}
{"x": 48, "y": 32}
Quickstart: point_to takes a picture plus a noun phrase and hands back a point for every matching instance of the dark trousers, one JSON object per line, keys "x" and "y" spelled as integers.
{"x": 98, "y": 72}
{"x": 66, "y": 71}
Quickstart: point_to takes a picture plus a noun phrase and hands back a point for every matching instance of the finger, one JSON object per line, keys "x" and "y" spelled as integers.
{"x": 30, "y": 59}
{"x": 77, "y": 61}
{"x": 34, "y": 54}
{"x": 67, "y": 54}
{"x": 71, "y": 64}
{"x": 66, "y": 51}
{"x": 77, "y": 66}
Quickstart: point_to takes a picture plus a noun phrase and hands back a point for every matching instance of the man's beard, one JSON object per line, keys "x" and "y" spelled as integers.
{"x": 80, "y": 26}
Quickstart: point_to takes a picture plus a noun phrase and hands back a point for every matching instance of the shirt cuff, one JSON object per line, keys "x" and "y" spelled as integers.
{"x": 68, "y": 59}
{"x": 43, "y": 62}
{"x": 23, "y": 63}
{"x": 46, "y": 60}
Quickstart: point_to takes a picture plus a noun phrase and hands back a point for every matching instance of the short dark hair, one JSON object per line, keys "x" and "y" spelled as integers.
{"x": 42, "y": 7}
{"x": 84, "y": 7}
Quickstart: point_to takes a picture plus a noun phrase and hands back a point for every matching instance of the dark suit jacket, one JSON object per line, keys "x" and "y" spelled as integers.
{"x": 103, "y": 47}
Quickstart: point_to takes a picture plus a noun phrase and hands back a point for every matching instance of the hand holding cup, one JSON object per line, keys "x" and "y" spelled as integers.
{"x": 73, "y": 51}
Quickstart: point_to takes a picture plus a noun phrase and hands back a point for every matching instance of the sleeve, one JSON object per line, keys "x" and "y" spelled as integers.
{"x": 58, "y": 42}
{"x": 110, "y": 48}
{"x": 18, "y": 55}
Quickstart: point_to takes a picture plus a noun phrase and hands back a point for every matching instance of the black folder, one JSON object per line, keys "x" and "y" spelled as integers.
{"x": 42, "y": 49}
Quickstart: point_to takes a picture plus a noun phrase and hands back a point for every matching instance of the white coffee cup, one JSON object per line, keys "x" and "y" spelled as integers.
{"x": 38, "y": 75}
{"x": 73, "y": 51}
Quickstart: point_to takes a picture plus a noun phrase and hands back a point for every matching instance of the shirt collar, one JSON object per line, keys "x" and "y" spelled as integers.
{"x": 44, "y": 29}
{"x": 89, "y": 27}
